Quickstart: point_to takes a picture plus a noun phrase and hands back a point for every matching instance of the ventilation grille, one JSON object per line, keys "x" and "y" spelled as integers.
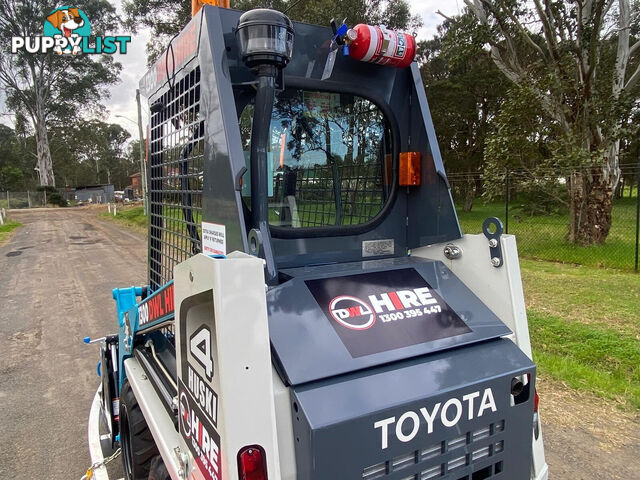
{"x": 175, "y": 179}
{"x": 475, "y": 455}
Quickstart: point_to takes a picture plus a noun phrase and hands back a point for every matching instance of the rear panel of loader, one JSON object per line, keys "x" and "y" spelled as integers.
{"x": 198, "y": 154}
{"x": 398, "y": 371}
{"x": 363, "y": 426}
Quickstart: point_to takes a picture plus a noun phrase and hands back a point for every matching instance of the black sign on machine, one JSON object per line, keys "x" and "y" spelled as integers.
{"x": 381, "y": 311}
{"x": 198, "y": 402}
{"x": 200, "y": 435}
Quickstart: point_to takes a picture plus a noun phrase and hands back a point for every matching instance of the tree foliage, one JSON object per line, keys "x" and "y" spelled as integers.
{"x": 577, "y": 62}
{"x": 82, "y": 153}
{"x": 49, "y": 90}
{"x": 166, "y": 18}
{"x": 16, "y": 170}
{"x": 97, "y": 155}
{"x": 465, "y": 91}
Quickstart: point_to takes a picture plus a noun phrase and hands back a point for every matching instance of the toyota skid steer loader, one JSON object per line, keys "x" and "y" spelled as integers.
{"x": 313, "y": 311}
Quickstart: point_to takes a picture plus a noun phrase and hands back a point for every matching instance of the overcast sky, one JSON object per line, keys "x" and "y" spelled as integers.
{"x": 122, "y": 101}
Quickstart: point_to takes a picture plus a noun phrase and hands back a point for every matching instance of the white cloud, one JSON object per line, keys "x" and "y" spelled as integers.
{"x": 427, "y": 9}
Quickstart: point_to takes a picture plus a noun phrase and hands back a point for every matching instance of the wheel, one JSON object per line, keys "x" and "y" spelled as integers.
{"x": 136, "y": 441}
{"x": 158, "y": 470}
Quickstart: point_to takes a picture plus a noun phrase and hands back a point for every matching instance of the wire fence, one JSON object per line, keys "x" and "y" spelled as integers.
{"x": 536, "y": 208}
{"x": 23, "y": 199}
{"x": 51, "y": 197}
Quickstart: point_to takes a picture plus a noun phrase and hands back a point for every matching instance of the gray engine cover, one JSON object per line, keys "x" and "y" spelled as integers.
{"x": 309, "y": 344}
{"x": 338, "y": 437}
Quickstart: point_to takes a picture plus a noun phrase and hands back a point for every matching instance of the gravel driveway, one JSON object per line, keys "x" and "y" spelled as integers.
{"x": 56, "y": 277}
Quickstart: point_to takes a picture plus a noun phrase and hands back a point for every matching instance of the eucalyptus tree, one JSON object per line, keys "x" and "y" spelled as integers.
{"x": 51, "y": 89}
{"x": 578, "y": 61}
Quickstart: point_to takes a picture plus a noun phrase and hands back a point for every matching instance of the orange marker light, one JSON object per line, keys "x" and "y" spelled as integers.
{"x": 196, "y": 5}
{"x": 410, "y": 169}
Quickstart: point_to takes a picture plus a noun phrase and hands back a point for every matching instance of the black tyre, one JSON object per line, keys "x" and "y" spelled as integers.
{"x": 136, "y": 441}
{"x": 158, "y": 470}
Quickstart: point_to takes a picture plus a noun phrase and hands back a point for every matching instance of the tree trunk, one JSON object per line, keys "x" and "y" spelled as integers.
{"x": 590, "y": 204}
{"x": 469, "y": 194}
{"x": 45, "y": 164}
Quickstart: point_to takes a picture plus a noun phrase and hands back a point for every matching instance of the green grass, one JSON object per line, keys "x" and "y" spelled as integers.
{"x": 132, "y": 217}
{"x": 596, "y": 359}
{"x": 6, "y": 229}
{"x": 585, "y": 329}
{"x": 584, "y": 319}
{"x": 583, "y": 294}
{"x": 543, "y": 237}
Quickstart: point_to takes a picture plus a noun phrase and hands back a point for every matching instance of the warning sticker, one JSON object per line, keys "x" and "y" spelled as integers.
{"x": 320, "y": 102}
{"x": 381, "y": 311}
{"x": 214, "y": 240}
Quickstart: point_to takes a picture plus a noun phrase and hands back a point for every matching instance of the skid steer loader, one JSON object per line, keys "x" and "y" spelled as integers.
{"x": 313, "y": 311}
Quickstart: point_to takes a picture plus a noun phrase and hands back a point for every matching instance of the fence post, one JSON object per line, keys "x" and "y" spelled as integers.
{"x": 8, "y": 206}
{"x": 1, "y": 221}
{"x": 637, "y": 216}
{"x": 45, "y": 197}
{"x": 506, "y": 203}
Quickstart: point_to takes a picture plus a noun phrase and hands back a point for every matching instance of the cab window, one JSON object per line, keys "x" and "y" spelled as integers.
{"x": 329, "y": 159}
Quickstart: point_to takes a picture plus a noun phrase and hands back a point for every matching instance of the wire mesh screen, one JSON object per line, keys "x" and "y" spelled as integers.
{"x": 536, "y": 208}
{"x": 327, "y": 195}
{"x": 176, "y": 168}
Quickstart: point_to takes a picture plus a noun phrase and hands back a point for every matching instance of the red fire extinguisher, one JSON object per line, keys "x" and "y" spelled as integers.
{"x": 380, "y": 45}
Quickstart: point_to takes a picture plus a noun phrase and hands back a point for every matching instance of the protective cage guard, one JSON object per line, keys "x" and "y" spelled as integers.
{"x": 176, "y": 167}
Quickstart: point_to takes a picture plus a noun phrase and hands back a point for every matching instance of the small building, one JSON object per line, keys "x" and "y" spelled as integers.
{"x": 95, "y": 193}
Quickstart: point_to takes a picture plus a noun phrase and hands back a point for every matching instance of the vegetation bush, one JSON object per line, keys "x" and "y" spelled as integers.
{"x": 53, "y": 196}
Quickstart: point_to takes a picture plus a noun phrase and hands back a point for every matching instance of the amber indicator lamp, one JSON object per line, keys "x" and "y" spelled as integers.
{"x": 410, "y": 169}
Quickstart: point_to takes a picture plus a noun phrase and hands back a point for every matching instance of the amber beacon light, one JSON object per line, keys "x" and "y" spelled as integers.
{"x": 410, "y": 169}
{"x": 196, "y": 5}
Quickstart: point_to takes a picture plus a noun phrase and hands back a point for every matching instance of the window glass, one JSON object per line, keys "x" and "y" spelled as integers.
{"x": 329, "y": 159}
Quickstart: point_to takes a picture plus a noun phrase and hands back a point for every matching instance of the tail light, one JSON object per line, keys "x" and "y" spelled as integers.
{"x": 536, "y": 401}
{"x": 252, "y": 463}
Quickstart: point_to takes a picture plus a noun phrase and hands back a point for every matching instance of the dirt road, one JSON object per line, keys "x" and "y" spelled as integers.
{"x": 56, "y": 277}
